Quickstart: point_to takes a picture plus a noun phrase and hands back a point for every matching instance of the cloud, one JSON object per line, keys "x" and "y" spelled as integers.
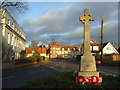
{"x": 64, "y": 25}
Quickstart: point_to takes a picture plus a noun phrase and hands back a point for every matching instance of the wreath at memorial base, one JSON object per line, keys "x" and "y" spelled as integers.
{"x": 82, "y": 79}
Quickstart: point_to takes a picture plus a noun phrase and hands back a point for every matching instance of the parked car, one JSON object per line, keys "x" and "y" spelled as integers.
{"x": 66, "y": 57}
{"x": 98, "y": 61}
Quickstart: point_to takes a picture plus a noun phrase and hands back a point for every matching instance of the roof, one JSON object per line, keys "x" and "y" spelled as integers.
{"x": 38, "y": 49}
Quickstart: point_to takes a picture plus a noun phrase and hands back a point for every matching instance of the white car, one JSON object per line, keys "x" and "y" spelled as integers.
{"x": 66, "y": 57}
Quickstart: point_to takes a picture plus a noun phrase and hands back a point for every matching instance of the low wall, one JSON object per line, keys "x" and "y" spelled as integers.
{"x": 8, "y": 65}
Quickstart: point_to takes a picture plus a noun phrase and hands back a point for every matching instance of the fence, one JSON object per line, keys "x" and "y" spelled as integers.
{"x": 111, "y": 57}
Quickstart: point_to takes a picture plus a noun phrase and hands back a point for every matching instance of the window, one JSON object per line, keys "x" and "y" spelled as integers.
{"x": 65, "y": 52}
{"x": 15, "y": 41}
{"x": 73, "y": 48}
{"x": 95, "y": 48}
{"x": 8, "y": 22}
{"x": 53, "y": 56}
{"x": 50, "y": 48}
{"x": 53, "y": 51}
{"x": 8, "y": 38}
{"x": 79, "y": 49}
{"x": 12, "y": 40}
{"x": 108, "y": 48}
{"x": 68, "y": 48}
{"x": 62, "y": 52}
{"x": 13, "y": 25}
{"x": 53, "y": 48}
{"x": 58, "y": 52}
{"x": 62, "y": 48}
{"x": 50, "y": 51}
{"x": 16, "y": 29}
{"x": 58, "y": 48}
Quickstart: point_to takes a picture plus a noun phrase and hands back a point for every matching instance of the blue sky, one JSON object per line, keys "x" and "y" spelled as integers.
{"x": 60, "y": 21}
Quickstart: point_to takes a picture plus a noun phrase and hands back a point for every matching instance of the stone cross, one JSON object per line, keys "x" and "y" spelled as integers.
{"x": 86, "y": 19}
{"x": 87, "y": 62}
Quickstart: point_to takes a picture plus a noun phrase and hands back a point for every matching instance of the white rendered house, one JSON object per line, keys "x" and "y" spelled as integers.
{"x": 12, "y": 33}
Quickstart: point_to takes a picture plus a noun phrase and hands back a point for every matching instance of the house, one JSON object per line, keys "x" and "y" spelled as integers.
{"x": 13, "y": 35}
{"x": 108, "y": 48}
{"x": 31, "y": 50}
{"x": 56, "y": 50}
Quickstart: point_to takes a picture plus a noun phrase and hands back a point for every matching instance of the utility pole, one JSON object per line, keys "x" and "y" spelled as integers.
{"x": 102, "y": 40}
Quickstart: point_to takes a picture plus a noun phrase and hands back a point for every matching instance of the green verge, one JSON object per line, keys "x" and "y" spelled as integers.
{"x": 65, "y": 80}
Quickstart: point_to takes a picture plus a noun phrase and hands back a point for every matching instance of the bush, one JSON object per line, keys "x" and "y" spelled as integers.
{"x": 23, "y": 54}
{"x": 38, "y": 57}
{"x": 22, "y": 60}
{"x": 35, "y": 58}
{"x": 32, "y": 59}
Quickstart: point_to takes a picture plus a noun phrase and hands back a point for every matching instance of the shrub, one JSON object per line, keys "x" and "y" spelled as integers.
{"x": 22, "y": 60}
{"x": 23, "y": 54}
{"x": 38, "y": 58}
{"x": 32, "y": 59}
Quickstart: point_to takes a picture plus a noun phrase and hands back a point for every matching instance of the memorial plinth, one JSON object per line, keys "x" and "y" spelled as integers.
{"x": 87, "y": 63}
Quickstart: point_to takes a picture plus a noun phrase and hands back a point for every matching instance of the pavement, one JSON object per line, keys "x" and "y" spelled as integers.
{"x": 18, "y": 78}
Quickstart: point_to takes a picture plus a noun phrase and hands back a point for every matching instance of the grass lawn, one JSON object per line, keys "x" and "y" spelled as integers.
{"x": 65, "y": 80}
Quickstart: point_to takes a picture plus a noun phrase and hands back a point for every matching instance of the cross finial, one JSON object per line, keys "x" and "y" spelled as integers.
{"x": 86, "y": 11}
{"x": 86, "y": 17}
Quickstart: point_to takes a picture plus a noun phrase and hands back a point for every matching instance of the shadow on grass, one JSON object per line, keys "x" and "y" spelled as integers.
{"x": 65, "y": 80}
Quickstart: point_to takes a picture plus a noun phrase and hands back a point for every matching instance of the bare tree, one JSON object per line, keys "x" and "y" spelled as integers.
{"x": 15, "y": 8}
{"x": 20, "y": 6}
{"x": 34, "y": 44}
{"x": 54, "y": 41}
{"x": 7, "y": 53}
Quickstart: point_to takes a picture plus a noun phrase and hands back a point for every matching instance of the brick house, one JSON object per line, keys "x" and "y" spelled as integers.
{"x": 41, "y": 50}
{"x": 56, "y": 50}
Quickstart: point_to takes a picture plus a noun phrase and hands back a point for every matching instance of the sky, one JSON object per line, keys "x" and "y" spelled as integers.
{"x": 45, "y": 21}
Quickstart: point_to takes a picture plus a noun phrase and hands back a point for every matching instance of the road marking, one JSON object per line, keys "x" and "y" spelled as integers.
{"x": 108, "y": 73}
{"x": 8, "y": 77}
{"x": 37, "y": 71}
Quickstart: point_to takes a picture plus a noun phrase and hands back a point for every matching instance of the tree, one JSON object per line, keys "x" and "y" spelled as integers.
{"x": 54, "y": 41}
{"x": 7, "y": 53}
{"x": 41, "y": 46}
{"x": 20, "y": 6}
{"x": 34, "y": 44}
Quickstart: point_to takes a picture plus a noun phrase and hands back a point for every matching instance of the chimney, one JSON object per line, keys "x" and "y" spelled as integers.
{"x": 59, "y": 43}
{"x": 42, "y": 47}
{"x": 113, "y": 43}
{"x": 65, "y": 45}
{"x": 115, "y": 47}
{"x": 95, "y": 41}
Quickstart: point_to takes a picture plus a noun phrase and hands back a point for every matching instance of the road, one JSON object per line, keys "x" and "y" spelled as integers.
{"x": 18, "y": 78}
